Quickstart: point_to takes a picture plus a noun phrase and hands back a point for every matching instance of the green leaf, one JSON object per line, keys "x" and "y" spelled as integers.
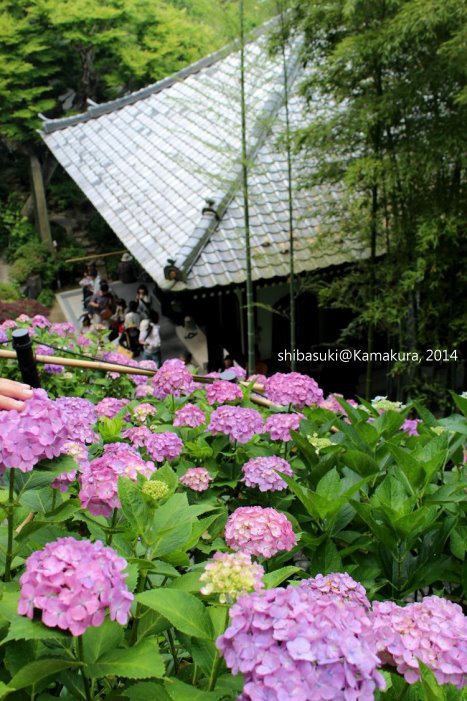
{"x": 184, "y": 611}
{"x": 326, "y": 559}
{"x": 460, "y": 402}
{"x": 432, "y": 691}
{"x": 98, "y": 641}
{"x": 273, "y": 579}
{"x": 361, "y": 463}
{"x": 34, "y": 672}
{"x": 166, "y": 475}
{"x": 134, "y": 506}
{"x": 187, "y": 582}
{"x": 146, "y": 691}
{"x": 171, "y": 526}
{"x": 139, "y": 662}
{"x": 21, "y": 628}
{"x": 39, "y": 500}
{"x": 179, "y": 691}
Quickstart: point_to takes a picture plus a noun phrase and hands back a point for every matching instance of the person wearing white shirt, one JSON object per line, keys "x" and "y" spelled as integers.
{"x": 150, "y": 338}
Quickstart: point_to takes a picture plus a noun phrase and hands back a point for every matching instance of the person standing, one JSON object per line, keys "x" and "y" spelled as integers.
{"x": 144, "y": 301}
{"x": 150, "y": 337}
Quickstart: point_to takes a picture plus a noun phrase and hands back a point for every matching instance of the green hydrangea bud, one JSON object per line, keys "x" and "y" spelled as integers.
{"x": 155, "y": 490}
{"x": 319, "y": 443}
{"x": 231, "y": 574}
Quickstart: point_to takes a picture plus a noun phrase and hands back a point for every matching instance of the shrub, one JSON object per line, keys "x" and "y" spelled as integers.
{"x": 9, "y": 292}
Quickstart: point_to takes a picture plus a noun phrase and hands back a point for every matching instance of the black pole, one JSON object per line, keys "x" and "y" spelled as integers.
{"x": 22, "y": 344}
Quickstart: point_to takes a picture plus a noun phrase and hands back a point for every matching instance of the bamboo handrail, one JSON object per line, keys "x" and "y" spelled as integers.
{"x": 95, "y": 256}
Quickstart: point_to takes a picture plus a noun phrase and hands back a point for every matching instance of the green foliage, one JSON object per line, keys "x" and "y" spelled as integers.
{"x": 393, "y": 147}
{"x": 9, "y": 292}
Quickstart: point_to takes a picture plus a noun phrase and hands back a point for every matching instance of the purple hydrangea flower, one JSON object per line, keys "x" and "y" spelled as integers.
{"x": 262, "y": 472}
{"x": 222, "y": 391}
{"x": 73, "y": 583}
{"x": 110, "y": 406}
{"x": 80, "y": 415}
{"x": 41, "y": 322}
{"x": 98, "y": 490}
{"x": 36, "y": 433}
{"x": 146, "y": 365}
{"x": 118, "y": 359}
{"x": 299, "y": 644}
{"x": 137, "y": 435}
{"x": 433, "y": 630}
{"x": 42, "y": 349}
{"x": 54, "y": 369}
{"x": 196, "y": 478}
{"x": 189, "y": 415}
{"x": 259, "y": 531}
{"x": 410, "y": 427}
{"x": 83, "y": 341}
{"x": 164, "y": 446}
{"x": 172, "y": 378}
{"x": 79, "y": 452}
{"x": 144, "y": 390}
{"x": 237, "y": 423}
{"x": 279, "y": 426}
{"x": 240, "y": 373}
{"x": 293, "y": 388}
{"x": 3, "y": 336}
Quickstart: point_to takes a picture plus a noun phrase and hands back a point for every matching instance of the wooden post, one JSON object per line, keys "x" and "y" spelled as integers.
{"x": 40, "y": 203}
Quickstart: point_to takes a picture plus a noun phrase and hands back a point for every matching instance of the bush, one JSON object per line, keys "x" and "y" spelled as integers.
{"x": 46, "y": 297}
{"x": 31, "y": 307}
{"x": 9, "y": 292}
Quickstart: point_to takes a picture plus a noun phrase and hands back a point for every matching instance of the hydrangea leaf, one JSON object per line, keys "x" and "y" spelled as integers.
{"x": 184, "y": 611}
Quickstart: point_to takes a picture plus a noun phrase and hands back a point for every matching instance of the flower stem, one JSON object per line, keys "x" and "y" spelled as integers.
{"x": 217, "y": 660}
{"x": 87, "y": 688}
{"x": 173, "y": 651}
{"x": 111, "y": 532}
{"x": 10, "y": 519}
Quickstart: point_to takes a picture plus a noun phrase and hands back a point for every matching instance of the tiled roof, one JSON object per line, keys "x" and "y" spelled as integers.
{"x": 149, "y": 162}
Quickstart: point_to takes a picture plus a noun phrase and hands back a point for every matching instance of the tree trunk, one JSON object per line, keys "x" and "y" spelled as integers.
{"x": 40, "y": 202}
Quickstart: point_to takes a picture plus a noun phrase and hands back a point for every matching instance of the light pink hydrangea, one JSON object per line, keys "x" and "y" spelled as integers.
{"x": 339, "y": 585}
{"x": 293, "y": 388}
{"x": 164, "y": 446}
{"x": 262, "y": 473}
{"x": 73, "y": 583}
{"x": 137, "y": 435}
{"x": 110, "y": 406}
{"x": 99, "y": 481}
{"x": 237, "y": 423}
{"x": 240, "y": 373}
{"x": 189, "y": 415}
{"x": 172, "y": 378}
{"x": 410, "y": 426}
{"x": 63, "y": 328}
{"x": 38, "y": 432}
{"x": 145, "y": 365}
{"x": 144, "y": 390}
{"x": 222, "y": 391}
{"x": 23, "y": 318}
{"x": 259, "y": 531}
{"x": 8, "y": 324}
{"x": 299, "y": 644}
{"x": 196, "y": 478}
{"x": 332, "y": 404}
{"x": 142, "y": 411}
{"x": 279, "y": 426}
{"x": 231, "y": 574}
{"x": 433, "y": 630}
{"x": 118, "y": 359}
{"x": 83, "y": 341}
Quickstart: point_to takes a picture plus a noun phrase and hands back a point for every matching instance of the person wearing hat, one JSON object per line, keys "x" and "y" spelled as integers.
{"x": 126, "y": 269}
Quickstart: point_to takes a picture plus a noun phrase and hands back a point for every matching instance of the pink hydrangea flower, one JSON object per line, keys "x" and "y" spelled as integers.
{"x": 240, "y": 373}
{"x": 42, "y": 349}
{"x": 433, "y": 630}
{"x": 79, "y": 452}
{"x": 259, "y": 531}
{"x": 189, "y": 415}
{"x": 118, "y": 359}
{"x": 172, "y": 378}
{"x": 83, "y": 341}
{"x": 196, "y": 478}
{"x": 144, "y": 390}
{"x": 237, "y": 423}
{"x": 297, "y": 643}
{"x": 80, "y": 415}
{"x": 36, "y": 433}
{"x": 41, "y": 322}
{"x": 279, "y": 426}
{"x": 64, "y": 328}
{"x": 137, "y": 435}
{"x": 339, "y": 585}
{"x": 231, "y": 574}
{"x": 164, "y": 446}
{"x": 73, "y": 583}
{"x": 258, "y": 379}
{"x": 3, "y": 336}
{"x": 410, "y": 427}
{"x": 293, "y": 388}
{"x": 23, "y": 318}
{"x": 8, "y": 324}
{"x": 332, "y": 404}
{"x": 222, "y": 391}
{"x": 262, "y": 472}
{"x": 146, "y": 365}
{"x": 98, "y": 482}
{"x": 110, "y": 406}
{"x": 142, "y": 411}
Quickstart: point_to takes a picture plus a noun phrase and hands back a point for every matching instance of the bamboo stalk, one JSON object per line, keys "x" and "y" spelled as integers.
{"x": 91, "y": 364}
